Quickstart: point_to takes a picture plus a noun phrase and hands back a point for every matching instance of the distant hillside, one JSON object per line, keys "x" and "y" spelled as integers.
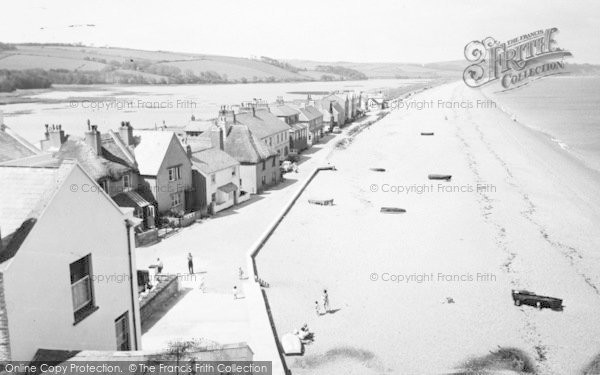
{"x": 75, "y": 64}
{"x": 387, "y": 70}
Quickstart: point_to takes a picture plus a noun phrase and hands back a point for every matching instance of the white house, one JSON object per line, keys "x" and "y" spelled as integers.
{"x": 67, "y": 264}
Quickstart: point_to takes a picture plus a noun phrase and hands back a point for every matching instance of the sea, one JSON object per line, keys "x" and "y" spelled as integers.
{"x": 564, "y": 108}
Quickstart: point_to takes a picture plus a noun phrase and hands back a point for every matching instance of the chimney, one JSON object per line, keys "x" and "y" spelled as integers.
{"x": 92, "y": 138}
{"x": 126, "y": 133}
{"x": 54, "y": 138}
{"x": 226, "y": 118}
{"x": 188, "y": 150}
{"x": 216, "y": 137}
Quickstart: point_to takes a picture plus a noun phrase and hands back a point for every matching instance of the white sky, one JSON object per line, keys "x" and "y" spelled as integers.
{"x": 336, "y": 30}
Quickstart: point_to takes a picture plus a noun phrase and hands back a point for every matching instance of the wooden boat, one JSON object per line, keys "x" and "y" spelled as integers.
{"x": 321, "y": 202}
{"x": 434, "y": 176}
{"x": 377, "y": 169}
{"x": 525, "y": 297}
{"x": 426, "y": 133}
{"x": 392, "y": 210}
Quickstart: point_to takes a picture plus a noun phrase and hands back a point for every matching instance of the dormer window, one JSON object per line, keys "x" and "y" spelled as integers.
{"x": 126, "y": 182}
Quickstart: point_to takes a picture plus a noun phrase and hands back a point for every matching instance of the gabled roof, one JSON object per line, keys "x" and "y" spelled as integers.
{"x": 212, "y": 160}
{"x": 197, "y": 144}
{"x": 244, "y": 147}
{"x": 24, "y": 193}
{"x": 262, "y": 123}
{"x": 152, "y": 149}
{"x": 283, "y": 110}
{"x": 13, "y": 146}
{"x": 97, "y": 166}
{"x": 309, "y": 113}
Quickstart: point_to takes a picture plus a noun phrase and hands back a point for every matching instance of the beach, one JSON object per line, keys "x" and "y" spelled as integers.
{"x": 429, "y": 289}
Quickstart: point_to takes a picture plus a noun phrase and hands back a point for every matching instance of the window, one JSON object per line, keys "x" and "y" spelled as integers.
{"x": 126, "y": 182}
{"x": 273, "y": 162}
{"x": 105, "y": 184}
{"x": 122, "y": 332}
{"x": 174, "y": 173}
{"x": 264, "y": 180}
{"x": 213, "y": 197}
{"x": 263, "y": 165}
{"x": 82, "y": 289}
{"x": 233, "y": 172}
{"x": 213, "y": 178}
{"x": 175, "y": 200}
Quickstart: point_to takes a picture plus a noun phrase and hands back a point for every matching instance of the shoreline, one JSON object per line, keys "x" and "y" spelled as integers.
{"x": 520, "y": 240}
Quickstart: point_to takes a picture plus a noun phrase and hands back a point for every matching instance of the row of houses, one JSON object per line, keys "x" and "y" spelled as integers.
{"x": 55, "y": 198}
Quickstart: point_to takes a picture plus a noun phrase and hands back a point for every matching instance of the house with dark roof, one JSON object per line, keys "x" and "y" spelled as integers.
{"x": 298, "y": 131}
{"x": 267, "y": 127}
{"x": 259, "y": 163}
{"x": 333, "y": 113}
{"x": 312, "y": 118}
{"x": 215, "y": 174}
{"x": 109, "y": 158}
{"x": 54, "y": 264}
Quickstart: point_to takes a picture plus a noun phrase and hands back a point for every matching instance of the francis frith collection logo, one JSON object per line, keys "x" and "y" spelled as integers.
{"x": 516, "y": 62}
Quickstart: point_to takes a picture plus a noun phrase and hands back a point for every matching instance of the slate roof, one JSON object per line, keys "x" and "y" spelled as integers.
{"x": 197, "y": 144}
{"x": 212, "y": 160}
{"x": 262, "y": 123}
{"x": 309, "y": 113}
{"x": 245, "y": 147}
{"x": 12, "y": 146}
{"x": 24, "y": 193}
{"x": 283, "y": 110}
{"x": 151, "y": 150}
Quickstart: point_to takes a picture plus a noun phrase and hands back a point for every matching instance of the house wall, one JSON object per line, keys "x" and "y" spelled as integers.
{"x": 248, "y": 176}
{"x": 199, "y": 185}
{"x": 271, "y": 169}
{"x": 116, "y": 187}
{"x": 279, "y": 142}
{"x": 37, "y": 282}
{"x": 222, "y": 177}
{"x": 175, "y": 155}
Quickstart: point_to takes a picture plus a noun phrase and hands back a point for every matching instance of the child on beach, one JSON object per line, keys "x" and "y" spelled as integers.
{"x": 159, "y": 265}
{"x": 235, "y": 292}
{"x": 317, "y": 309}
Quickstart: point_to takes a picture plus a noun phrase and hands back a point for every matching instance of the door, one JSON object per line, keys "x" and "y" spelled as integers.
{"x": 122, "y": 332}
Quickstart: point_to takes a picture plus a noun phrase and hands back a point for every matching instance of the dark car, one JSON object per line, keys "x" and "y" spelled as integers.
{"x": 525, "y": 297}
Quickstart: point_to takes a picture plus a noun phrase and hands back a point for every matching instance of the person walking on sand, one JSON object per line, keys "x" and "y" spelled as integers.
{"x": 241, "y": 273}
{"x": 235, "y": 292}
{"x": 325, "y": 301}
{"x": 317, "y": 309}
{"x": 190, "y": 263}
{"x": 159, "y": 266}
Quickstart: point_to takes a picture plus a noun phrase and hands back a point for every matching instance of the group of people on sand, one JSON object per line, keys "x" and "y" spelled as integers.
{"x": 304, "y": 334}
{"x": 190, "y": 263}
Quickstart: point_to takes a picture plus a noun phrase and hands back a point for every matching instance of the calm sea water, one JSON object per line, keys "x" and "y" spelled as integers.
{"x": 147, "y": 106}
{"x": 567, "y": 109}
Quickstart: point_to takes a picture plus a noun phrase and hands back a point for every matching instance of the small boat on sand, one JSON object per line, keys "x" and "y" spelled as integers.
{"x": 392, "y": 210}
{"x": 321, "y": 202}
{"x": 434, "y": 176}
{"x": 427, "y": 133}
{"x": 377, "y": 169}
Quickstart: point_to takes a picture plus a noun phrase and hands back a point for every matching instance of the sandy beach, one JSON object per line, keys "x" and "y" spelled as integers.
{"x": 519, "y": 213}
